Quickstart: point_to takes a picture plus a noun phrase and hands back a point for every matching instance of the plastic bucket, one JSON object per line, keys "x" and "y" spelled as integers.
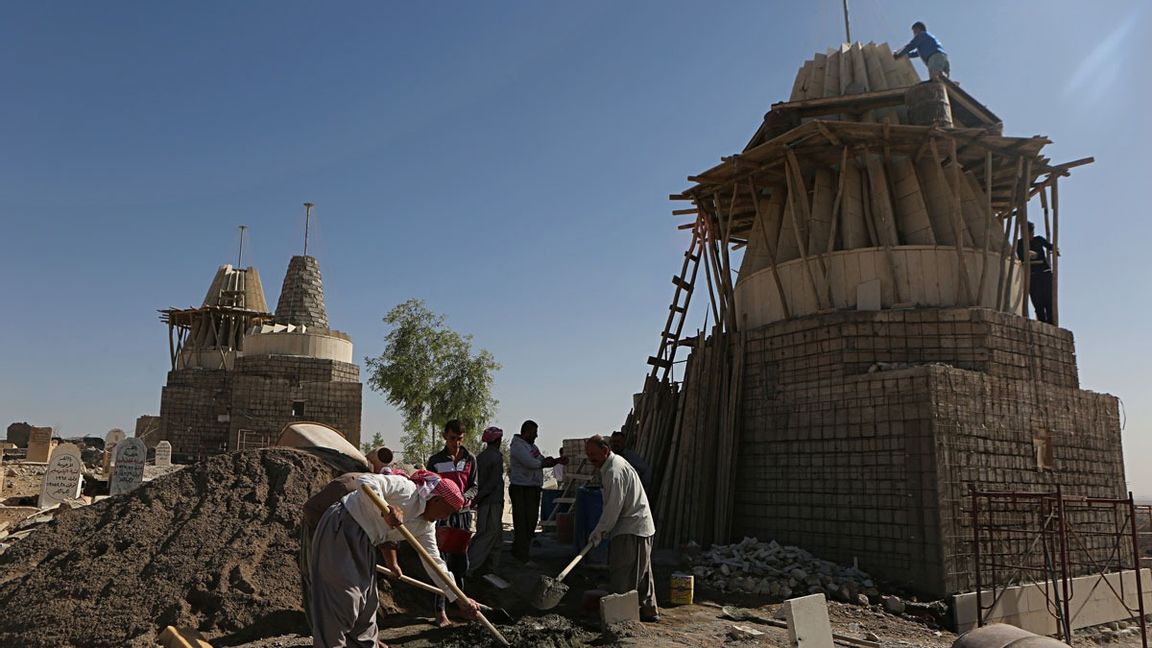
{"x": 681, "y": 589}
{"x": 453, "y": 541}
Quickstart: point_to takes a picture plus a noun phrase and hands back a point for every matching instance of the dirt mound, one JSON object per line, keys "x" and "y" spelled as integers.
{"x": 552, "y": 631}
{"x": 211, "y": 547}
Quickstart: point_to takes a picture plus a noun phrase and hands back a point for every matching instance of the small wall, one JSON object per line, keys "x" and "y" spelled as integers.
{"x": 924, "y": 276}
{"x": 313, "y": 345}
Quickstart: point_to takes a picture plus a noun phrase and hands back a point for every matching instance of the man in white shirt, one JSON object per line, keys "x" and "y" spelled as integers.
{"x": 525, "y": 481}
{"x": 343, "y": 563}
{"x": 627, "y": 520}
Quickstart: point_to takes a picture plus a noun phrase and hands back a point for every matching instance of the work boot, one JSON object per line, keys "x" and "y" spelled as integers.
{"x": 649, "y": 614}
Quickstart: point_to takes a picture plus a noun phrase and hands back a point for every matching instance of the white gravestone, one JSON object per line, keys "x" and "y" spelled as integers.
{"x": 129, "y": 459}
{"x": 163, "y": 454}
{"x": 63, "y": 478}
{"x": 114, "y": 436}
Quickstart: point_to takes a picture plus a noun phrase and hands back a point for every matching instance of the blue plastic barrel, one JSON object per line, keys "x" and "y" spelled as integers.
{"x": 589, "y": 506}
{"x": 548, "y": 502}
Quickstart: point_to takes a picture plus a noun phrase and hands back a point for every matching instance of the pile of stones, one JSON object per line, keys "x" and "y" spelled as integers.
{"x": 780, "y": 572}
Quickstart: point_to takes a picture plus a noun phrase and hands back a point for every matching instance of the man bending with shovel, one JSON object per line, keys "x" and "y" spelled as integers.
{"x": 627, "y": 520}
{"x": 343, "y": 560}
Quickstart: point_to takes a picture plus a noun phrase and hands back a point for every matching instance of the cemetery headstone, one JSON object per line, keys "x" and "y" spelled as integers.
{"x": 39, "y": 444}
{"x": 114, "y": 436}
{"x": 163, "y": 454}
{"x": 63, "y": 478}
{"x": 128, "y": 469}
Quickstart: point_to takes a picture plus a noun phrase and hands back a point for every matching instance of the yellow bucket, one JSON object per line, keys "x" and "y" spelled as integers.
{"x": 681, "y": 589}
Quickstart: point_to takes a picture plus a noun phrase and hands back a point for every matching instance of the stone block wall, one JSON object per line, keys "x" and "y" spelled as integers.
{"x": 265, "y": 388}
{"x": 191, "y": 406}
{"x": 302, "y": 295}
{"x": 862, "y": 431}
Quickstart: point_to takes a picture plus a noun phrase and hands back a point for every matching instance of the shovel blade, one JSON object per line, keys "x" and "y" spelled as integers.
{"x": 548, "y": 593}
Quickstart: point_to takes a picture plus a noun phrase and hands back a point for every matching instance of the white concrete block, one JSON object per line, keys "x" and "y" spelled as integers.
{"x": 808, "y": 625}
{"x": 618, "y": 608}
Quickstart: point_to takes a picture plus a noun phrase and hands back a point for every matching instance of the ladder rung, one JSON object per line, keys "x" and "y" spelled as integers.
{"x": 679, "y": 282}
{"x": 668, "y": 334}
{"x": 659, "y": 362}
{"x": 564, "y": 500}
{"x": 695, "y": 257}
{"x": 678, "y": 309}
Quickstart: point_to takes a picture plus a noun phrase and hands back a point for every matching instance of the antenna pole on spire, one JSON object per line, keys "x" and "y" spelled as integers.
{"x": 240, "y": 256}
{"x": 847, "y": 27}
{"x": 307, "y": 221}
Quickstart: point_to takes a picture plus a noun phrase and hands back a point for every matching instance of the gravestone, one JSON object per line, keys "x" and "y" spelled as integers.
{"x": 39, "y": 445}
{"x": 63, "y": 477}
{"x": 163, "y": 454}
{"x": 114, "y": 436}
{"x": 128, "y": 470}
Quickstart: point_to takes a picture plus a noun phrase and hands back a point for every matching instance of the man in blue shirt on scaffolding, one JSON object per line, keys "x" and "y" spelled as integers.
{"x": 925, "y": 46}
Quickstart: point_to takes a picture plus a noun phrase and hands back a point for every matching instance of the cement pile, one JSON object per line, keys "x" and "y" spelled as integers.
{"x": 552, "y": 631}
{"x": 211, "y": 547}
{"x": 779, "y": 572}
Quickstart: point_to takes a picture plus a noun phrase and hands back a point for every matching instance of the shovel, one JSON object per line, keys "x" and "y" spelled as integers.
{"x": 385, "y": 509}
{"x": 549, "y": 590}
{"x": 500, "y": 613}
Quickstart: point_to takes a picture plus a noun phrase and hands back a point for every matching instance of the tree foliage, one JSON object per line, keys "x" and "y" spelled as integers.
{"x": 376, "y": 441}
{"x": 430, "y": 373}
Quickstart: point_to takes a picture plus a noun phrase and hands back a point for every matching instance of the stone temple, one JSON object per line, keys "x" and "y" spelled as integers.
{"x": 240, "y": 373}
{"x": 870, "y": 355}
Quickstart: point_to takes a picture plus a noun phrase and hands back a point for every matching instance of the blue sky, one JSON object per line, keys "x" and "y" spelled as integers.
{"x": 508, "y": 162}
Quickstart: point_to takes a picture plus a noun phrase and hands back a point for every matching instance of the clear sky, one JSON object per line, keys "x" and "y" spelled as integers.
{"x": 507, "y": 162}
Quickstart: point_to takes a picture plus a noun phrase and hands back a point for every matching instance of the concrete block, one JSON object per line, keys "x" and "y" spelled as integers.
{"x": 808, "y": 625}
{"x": 618, "y": 608}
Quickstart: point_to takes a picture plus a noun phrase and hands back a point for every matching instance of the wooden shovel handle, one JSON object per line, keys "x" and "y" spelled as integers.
{"x": 575, "y": 561}
{"x": 424, "y": 555}
{"x": 427, "y": 587}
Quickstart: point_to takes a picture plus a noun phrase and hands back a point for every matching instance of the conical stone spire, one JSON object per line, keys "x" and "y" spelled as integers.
{"x": 302, "y": 295}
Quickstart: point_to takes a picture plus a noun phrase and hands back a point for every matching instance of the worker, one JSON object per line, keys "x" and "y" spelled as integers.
{"x": 456, "y": 464}
{"x": 620, "y": 447}
{"x": 1040, "y": 275}
{"x": 343, "y": 563}
{"x": 558, "y": 469}
{"x": 314, "y": 509}
{"x": 525, "y": 481}
{"x": 627, "y": 521}
{"x": 484, "y": 550}
{"x": 925, "y": 45}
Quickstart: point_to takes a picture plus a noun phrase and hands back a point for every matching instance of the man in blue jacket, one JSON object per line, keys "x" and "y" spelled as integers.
{"x": 925, "y": 46}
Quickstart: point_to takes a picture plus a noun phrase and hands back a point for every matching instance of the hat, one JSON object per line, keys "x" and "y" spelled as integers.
{"x": 429, "y": 485}
{"x": 492, "y": 434}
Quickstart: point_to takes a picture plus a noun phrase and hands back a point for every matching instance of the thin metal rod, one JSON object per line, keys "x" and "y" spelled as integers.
{"x": 307, "y": 221}
{"x": 240, "y": 255}
{"x": 847, "y": 27}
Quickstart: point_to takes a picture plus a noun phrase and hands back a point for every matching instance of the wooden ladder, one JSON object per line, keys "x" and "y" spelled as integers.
{"x": 678, "y": 311}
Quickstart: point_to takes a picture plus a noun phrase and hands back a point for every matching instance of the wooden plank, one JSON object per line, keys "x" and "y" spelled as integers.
{"x": 972, "y": 204}
{"x": 845, "y": 68}
{"x": 1055, "y": 249}
{"x": 853, "y": 231}
{"x": 859, "y": 70}
{"x": 769, "y": 245}
{"x": 823, "y": 195}
{"x": 801, "y": 78}
{"x": 814, "y": 84}
{"x": 911, "y": 213}
{"x": 882, "y": 213}
{"x": 832, "y": 74}
{"x": 937, "y": 197}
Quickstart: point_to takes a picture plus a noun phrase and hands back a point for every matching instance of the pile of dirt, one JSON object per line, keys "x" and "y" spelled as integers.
{"x": 552, "y": 631}
{"x": 210, "y": 547}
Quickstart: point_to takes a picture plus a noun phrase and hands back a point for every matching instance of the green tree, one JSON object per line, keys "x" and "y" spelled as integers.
{"x": 376, "y": 442}
{"x": 430, "y": 373}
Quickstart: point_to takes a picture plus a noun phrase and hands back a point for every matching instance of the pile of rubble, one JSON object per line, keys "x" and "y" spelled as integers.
{"x": 780, "y": 572}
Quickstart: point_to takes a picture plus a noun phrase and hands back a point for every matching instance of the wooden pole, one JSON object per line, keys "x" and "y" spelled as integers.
{"x": 987, "y": 229}
{"x": 366, "y": 489}
{"x": 963, "y": 287}
{"x": 1055, "y": 248}
{"x": 832, "y": 230}
{"x": 1022, "y": 218}
{"x": 796, "y": 193}
{"x": 1003, "y": 300}
{"x": 767, "y": 249}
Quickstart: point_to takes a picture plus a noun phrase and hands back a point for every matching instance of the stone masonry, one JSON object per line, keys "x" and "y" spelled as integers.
{"x": 861, "y": 432}
{"x": 302, "y": 295}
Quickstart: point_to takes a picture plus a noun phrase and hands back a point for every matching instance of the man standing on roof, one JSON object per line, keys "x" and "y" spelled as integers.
{"x": 526, "y": 480}
{"x": 627, "y": 520}
{"x": 1040, "y": 278}
{"x": 925, "y": 46}
{"x": 457, "y": 465}
{"x": 343, "y": 562}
